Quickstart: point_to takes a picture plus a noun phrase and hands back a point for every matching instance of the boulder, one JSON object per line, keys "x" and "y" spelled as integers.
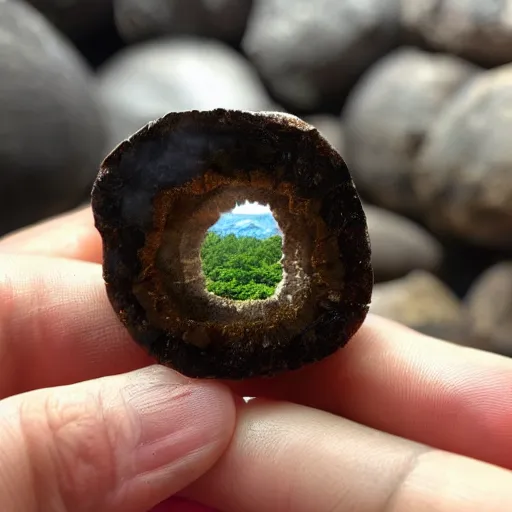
{"x": 312, "y": 53}
{"x": 148, "y": 80}
{"x": 53, "y": 133}
{"x": 388, "y": 115}
{"x": 399, "y": 245}
{"x": 463, "y": 174}
{"x": 489, "y": 305}
{"x": 479, "y": 30}
{"x": 225, "y": 19}
{"x": 422, "y": 302}
{"x": 76, "y": 18}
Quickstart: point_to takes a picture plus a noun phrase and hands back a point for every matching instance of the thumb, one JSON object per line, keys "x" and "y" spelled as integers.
{"x": 121, "y": 443}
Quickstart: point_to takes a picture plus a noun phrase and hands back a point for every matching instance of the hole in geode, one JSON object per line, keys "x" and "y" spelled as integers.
{"x": 175, "y": 282}
{"x": 241, "y": 255}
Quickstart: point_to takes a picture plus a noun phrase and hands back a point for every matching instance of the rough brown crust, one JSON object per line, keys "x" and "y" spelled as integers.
{"x": 156, "y": 195}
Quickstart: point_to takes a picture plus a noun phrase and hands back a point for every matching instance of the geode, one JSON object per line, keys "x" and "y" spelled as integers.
{"x": 157, "y": 194}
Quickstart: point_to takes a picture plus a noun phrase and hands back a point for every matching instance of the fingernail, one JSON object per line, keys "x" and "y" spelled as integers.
{"x": 177, "y": 417}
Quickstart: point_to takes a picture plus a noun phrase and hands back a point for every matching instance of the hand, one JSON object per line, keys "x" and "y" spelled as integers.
{"x": 87, "y": 423}
{"x": 396, "y": 421}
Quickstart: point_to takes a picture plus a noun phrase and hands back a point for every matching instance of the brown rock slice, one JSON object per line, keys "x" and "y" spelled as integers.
{"x": 158, "y": 193}
{"x": 331, "y": 128}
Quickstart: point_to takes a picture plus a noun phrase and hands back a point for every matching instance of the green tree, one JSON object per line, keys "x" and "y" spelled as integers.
{"x": 241, "y": 268}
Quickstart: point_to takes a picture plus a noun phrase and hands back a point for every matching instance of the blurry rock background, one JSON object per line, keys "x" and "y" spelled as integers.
{"x": 415, "y": 94}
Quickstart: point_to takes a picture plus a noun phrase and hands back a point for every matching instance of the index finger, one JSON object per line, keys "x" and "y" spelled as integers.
{"x": 285, "y": 457}
{"x": 396, "y": 380}
{"x": 57, "y": 327}
{"x": 71, "y": 235}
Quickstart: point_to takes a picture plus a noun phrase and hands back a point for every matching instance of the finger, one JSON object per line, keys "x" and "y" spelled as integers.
{"x": 393, "y": 379}
{"x": 71, "y": 235}
{"x": 122, "y": 443}
{"x": 178, "y": 504}
{"x": 286, "y": 457}
{"x": 57, "y": 326}
{"x": 397, "y": 369}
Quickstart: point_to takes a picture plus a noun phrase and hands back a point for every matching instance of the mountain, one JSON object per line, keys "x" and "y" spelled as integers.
{"x": 262, "y": 225}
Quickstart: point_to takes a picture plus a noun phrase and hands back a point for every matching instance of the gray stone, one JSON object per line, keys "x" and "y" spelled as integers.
{"x": 424, "y": 303}
{"x": 76, "y": 18}
{"x": 220, "y": 19}
{"x": 399, "y": 245}
{"x": 388, "y": 115}
{"x": 313, "y": 52}
{"x": 479, "y": 30}
{"x": 489, "y": 304}
{"x": 53, "y": 136}
{"x": 146, "y": 81}
{"x": 463, "y": 175}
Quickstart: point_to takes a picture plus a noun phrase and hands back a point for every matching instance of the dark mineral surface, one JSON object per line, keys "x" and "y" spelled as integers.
{"x": 158, "y": 193}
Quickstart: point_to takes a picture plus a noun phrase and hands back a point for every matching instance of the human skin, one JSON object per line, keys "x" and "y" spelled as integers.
{"x": 396, "y": 421}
